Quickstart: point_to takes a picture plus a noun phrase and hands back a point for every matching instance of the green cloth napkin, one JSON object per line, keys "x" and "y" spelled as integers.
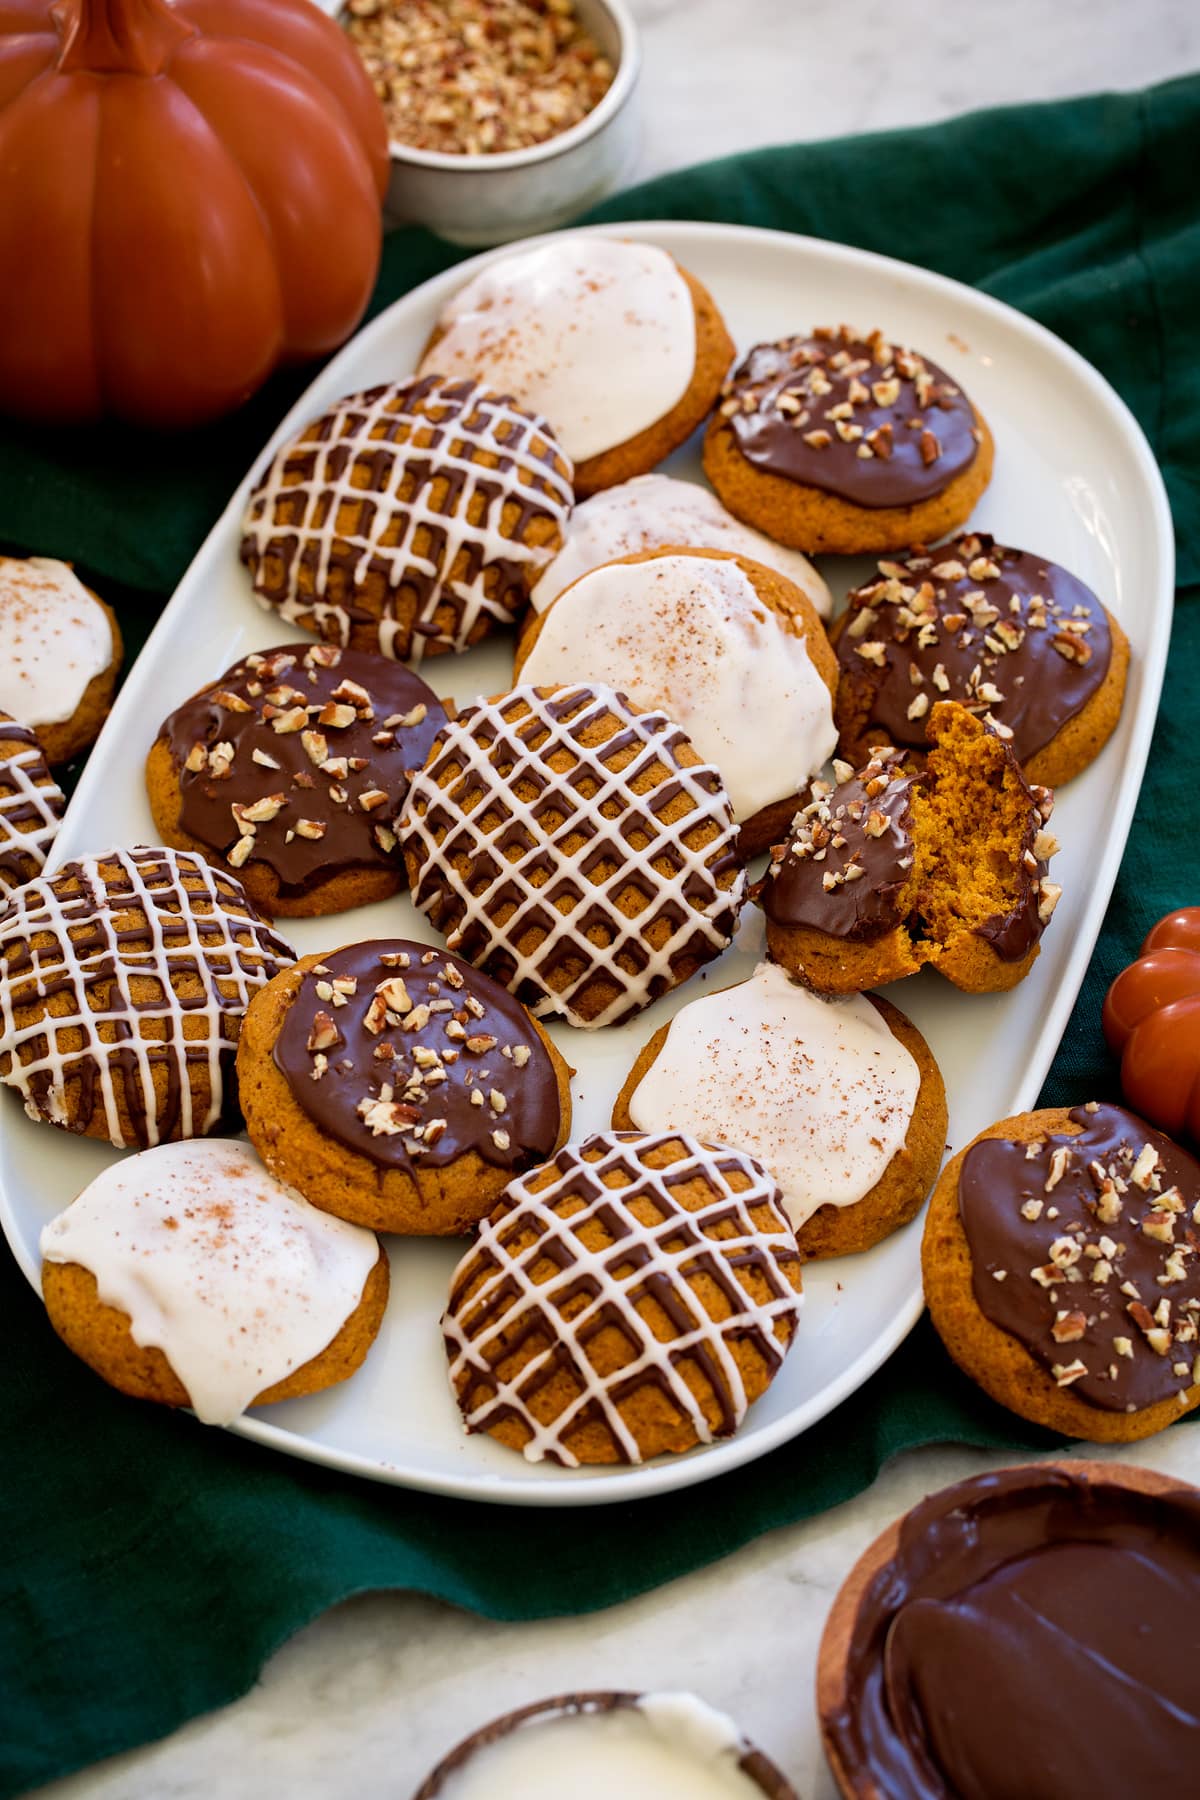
{"x": 150, "y": 1565}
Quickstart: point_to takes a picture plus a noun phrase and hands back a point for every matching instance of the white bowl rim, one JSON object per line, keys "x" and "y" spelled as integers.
{"x": 629, "y": 60}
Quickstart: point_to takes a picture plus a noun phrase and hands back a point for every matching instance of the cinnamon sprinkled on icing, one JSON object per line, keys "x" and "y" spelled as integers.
{"x": 56, "y": 637}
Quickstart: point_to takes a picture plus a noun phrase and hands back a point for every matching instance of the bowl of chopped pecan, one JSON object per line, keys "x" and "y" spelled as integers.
{"x": 505, "y": 117}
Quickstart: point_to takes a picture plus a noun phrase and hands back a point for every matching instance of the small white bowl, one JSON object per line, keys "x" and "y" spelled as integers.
{"x": 483, "y": 199}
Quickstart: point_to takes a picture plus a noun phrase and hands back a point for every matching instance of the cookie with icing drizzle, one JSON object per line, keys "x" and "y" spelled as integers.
{"x": 123, "y": 981}
{"x": 1062, "y": 1270}
{"x": 894, "y": 867}
{"x": 190, "y": 1276}
{"x": 62, "y": 654}
{"x": 840, "y": 1099}
{"x": 575, "y": 848}
{"x": 290, "y": 768}
{"x": 633, "y": 1296}
{"x": 1013, "y": 637}
{"x": 620, "y": 348}
{"x": 846, "y": 443}
{"x": 409, "y": 519}
{"x": 31, "y": 805}
{"x": 396, "y": 1086}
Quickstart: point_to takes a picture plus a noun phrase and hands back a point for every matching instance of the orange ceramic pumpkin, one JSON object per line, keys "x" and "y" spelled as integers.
{"x": 190, "y": 194}
{"x": 1151, "y": 1020}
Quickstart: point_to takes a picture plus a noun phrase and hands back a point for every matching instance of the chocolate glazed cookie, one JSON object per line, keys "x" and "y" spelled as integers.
{"x": 1062, "y": 1270}
{"x": 290, "y": 769}
{"x": 398, "y": 1087}
{"x": 1013, "y": 637}
{"x": 846, "y": 444}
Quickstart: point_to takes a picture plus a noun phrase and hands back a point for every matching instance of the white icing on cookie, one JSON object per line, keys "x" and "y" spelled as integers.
{"x": 598, "y": 335}
{"x": 820, "y": 1091}
{"x": 232, "y": 1275}
{"x": 450, "y": 542}
{"x": 30, "y": 807}
{"x": 187, "y": 921}
{"x": 511, "y": 848}
{"x": 653, "y": 511}
{"x": 54, "y": 639}
{"x": 689, "y": 634}
{"x": 662, "y": 1744}
{"x": 636, "y": 1255}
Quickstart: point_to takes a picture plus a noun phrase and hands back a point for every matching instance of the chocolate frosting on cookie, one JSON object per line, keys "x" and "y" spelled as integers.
{"x": 1011, "y": 636}
{"x": 856, "y": 417}
{"x": 849, "y": 855}
{"x": 299, "y": 758}
{"x": 1095, "y": 1237}
{"x": 406, "y": 1054}
{"x": 1034, "y": 1636}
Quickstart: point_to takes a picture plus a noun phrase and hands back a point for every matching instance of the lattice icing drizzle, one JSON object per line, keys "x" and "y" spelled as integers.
{"x": 640, "y": 1259}
{"x": 442, "y": 461}
{"x": 161, "y": 919}
{"x": 584, "y": 840}
{"x": 31, "y": 805}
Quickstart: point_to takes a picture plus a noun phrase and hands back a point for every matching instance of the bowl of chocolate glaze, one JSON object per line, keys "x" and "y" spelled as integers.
{"x": 1028, "y": 1634}
{"x": 505, "y": 117}
{"x": 595, "y": 1746}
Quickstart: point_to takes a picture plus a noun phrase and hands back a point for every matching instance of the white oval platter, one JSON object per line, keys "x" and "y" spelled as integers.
{"x": 1074, "y": 481}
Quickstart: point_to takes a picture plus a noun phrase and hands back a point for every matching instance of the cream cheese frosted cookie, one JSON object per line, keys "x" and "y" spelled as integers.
{"x": 1062, "y": 1270}
{"x": 653, "y": 511}
{"x": 575, "y": 848}
{"x": 633, "y": 1296}
{"x": 845, "y": 443}
{"x": 409, "y": 519}
{"x": 1012, "y": 637}
{"x": 728, "y": 647}
{"x": 190, "y": 1276}
{"x": 290, "y": 768}
{"x": 61, "y": 654}
{"x": 399, "y": 1087}
{"x": 123, "y": 981}
{"x": 893, "y": 868}
{"x": 840, "y": 1099}
{"x": 621, "y": 349}
{"x": 31, "y": 805}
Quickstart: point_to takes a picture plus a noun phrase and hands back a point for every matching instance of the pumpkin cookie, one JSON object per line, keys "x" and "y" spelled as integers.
{"x": 31, "y": 805}
{"x": 634, "y": 1296}
{"x": 621, "y": 349}
{"x": 396, "y": 1086}
{"x": 1028, "y": 1632}
{"x": 727, "y": 647}
{"x": 1062, "y": 1273}
{"x": 840, "y": 1099}
{"x": 190, "y": 1276}
{"x": 652, "y": 512}
{"x": 62, "y": 654}
{"x": 574, "y": 848}
{"x": 844, "y": 444}
{"x": 1012, "y": 637}
{"x": 409, "y": 519}
{"x": 290, "y": 768}
{"x": 123, "y": 980}
{"x": 894, "y": 868}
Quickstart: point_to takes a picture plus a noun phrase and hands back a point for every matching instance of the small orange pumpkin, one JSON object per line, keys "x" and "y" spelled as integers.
{"x": 1151, "y": 1020}
{"x": 190, "y": 194}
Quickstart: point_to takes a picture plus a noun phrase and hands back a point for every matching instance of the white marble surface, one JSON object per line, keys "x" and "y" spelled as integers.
{"x": 366, "y": 1699}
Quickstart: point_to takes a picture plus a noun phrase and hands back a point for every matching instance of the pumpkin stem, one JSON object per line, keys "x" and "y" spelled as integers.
{"x": 133, "y": 37}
